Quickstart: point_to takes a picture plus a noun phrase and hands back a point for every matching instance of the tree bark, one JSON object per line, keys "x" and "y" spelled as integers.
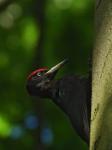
{"x": 101, "y": 115}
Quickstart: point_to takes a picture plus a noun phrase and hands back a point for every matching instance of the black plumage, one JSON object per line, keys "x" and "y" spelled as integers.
{"x": 71, "y": 93}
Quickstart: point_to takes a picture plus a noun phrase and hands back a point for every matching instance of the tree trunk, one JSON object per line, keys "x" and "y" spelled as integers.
{"x": 101, "y": 116}
{"x": 39, "y": 13}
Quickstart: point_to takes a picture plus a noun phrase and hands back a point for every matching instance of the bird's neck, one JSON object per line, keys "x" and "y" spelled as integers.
{"x": 50, "y": 91}
{"x": 55, "y": 93}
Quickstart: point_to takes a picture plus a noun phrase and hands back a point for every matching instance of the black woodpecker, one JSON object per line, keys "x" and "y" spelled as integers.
{"x": 71, "y": 93}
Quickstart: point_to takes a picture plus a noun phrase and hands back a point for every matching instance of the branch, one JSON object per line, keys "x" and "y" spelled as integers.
{"x": 101, "y": 116}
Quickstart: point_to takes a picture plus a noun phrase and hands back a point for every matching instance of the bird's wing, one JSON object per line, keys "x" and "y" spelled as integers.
{"x": 85, "y": 121}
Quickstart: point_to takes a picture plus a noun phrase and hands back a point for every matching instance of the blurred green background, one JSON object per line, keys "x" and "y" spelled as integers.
{"x": 36, "y": 33}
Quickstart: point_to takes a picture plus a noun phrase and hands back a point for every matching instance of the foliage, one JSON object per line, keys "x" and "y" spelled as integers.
{"x": 67, "y": 34}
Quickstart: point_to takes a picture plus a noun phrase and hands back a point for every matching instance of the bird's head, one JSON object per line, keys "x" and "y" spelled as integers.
{"x": 40, "y": 80}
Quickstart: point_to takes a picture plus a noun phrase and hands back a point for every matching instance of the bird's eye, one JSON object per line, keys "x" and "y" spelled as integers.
{"x": 39, "y": 74}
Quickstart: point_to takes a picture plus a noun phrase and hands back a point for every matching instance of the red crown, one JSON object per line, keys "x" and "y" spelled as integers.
{"x": 36, "y": 71}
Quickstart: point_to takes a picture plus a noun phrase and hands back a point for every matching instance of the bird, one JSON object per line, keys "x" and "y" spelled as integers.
{"x": 71, "y": 93}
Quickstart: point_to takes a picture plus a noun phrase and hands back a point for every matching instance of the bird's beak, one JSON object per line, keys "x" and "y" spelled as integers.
{"x": 54, "y": 69}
